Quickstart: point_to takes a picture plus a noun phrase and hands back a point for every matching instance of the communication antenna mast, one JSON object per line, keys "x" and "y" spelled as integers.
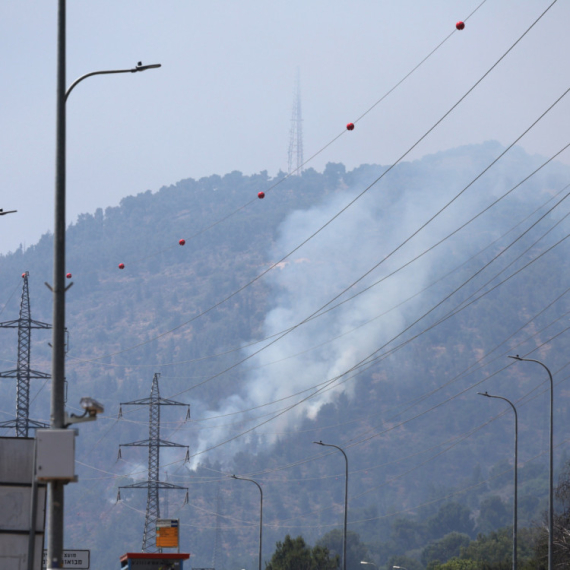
{"x": 23, "y": 373}
{"x": 154, "y": 443}
{"x": 295, "y": 154}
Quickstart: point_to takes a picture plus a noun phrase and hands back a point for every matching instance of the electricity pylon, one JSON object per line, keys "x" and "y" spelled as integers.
{"x": 295, "y": 154}
{"x": 154, "y": 443}
{"x": 23, "y": 373}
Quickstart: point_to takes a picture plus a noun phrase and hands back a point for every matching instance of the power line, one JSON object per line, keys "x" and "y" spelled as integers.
{"x": 342, "y": 210}
{"x": 323, "y": 148}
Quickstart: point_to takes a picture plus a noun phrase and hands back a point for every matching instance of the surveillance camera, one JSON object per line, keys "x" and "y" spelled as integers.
{"x": 91, "y": 406}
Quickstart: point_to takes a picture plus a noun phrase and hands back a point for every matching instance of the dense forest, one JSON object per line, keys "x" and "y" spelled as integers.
{"x": 363, "y": 308}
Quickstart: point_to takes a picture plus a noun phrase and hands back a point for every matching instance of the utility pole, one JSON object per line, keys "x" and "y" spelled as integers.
{"x": 23, "y": 373}
{"x": 218, "y": 542}
{"x": 295, "y": 154}
{"x": 154, "y": 443}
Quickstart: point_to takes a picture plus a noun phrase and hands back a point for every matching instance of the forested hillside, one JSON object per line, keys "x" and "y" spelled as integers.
{"x": 365, "y": 309}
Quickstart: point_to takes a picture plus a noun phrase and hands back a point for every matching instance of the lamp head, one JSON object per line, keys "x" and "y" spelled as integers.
{"x": 141, "y": 67}
{"x": 319, "y": 442}
{"x": 516, "y": 357}
{"x": 484, "y": 394}
{"x": 91, "y": 406}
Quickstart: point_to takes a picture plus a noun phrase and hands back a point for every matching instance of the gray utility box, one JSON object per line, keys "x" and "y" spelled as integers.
{"x": 55, "y": 455}
{"x": 18, "y": 497}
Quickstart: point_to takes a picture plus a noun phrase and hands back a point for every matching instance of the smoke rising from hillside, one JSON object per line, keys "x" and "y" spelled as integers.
{"x": 334, "y": 259}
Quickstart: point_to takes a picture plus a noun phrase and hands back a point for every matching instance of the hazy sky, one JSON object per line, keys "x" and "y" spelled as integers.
{"x": 222, "y": 100}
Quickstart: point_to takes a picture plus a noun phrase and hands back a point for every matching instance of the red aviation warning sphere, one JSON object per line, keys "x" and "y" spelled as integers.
{"x": 68, "y": 275}
{"x": 181, "y": 242}
{"x": 121, "y": 265}
{"x": 23, "y": 275}
{"x": 261, "y": 195}
{"x": 350, "y": 126}
{"x": 460, "y": 25}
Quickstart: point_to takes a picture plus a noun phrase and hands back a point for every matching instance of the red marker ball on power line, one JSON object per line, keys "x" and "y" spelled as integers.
{"x": 121, "y": 265}
{"x": 68, "y": 275}
{"x": 181, "y": 242}
{"x": 350, "y": 126}
{"x": 261, "y": 195}
{"x": 460, "y": 25}
{"x": 23, "y": 275}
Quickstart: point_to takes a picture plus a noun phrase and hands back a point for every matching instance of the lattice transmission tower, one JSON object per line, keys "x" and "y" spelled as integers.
{"x": 154, "y": 443}
{"x": 23, "y": 373}
{"x": 295, "y": 154}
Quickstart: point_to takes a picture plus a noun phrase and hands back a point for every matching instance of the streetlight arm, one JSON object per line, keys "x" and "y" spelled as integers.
{"x": 517, "y": 357}
{"x": 487, "y": 395}
{"x": 139, "y": 67}
{"x": 260, "y": 514}
{"x": 3, "y": 213}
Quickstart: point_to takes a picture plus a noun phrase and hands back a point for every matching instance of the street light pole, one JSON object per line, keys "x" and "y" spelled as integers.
{"x": 260, "y": 513}
{"x": 344, "y": 529}
{"x": 56, "y": 494}
{"x": 486, "y": 394}
{"x": 551, "y": 461}
{"x": 56, "y": 489}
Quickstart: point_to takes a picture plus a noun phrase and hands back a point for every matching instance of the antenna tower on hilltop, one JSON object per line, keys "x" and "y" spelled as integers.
{"x": 23, "y": 373}
{"x": 295, "y": 154}
{"x": 154, "y": 443}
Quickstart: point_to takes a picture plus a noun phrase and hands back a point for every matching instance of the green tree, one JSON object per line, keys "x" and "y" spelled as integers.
{"x": 455, "y": 564}
{"x": 356, "y": 551}
{"x": 445, "y": 548}
{"x": 493, "y": 514}
{"x": 451, "y": 517}
{"x": 495, "y": 549}
{"x": 561, "y": 534}
{"x": 294, "y": 554}
{"x": 408, "y": 534}
{"x": 404, "y": 562}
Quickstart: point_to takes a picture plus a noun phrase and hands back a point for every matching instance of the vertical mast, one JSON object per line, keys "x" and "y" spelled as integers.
{"x": 295, "y": 157}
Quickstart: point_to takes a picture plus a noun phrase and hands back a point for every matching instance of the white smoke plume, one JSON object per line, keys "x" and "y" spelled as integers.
{"x": 334, "y": 259}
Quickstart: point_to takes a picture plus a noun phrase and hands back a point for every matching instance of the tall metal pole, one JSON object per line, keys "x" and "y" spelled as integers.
{"x": 344, "y": 529}
{"x": 516, "y": 471}
{"x": 260, "y": 513}
{"x": 56, "y": 491}
{"x": 551, "y": 461}
{"x": 56, "y": 494}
